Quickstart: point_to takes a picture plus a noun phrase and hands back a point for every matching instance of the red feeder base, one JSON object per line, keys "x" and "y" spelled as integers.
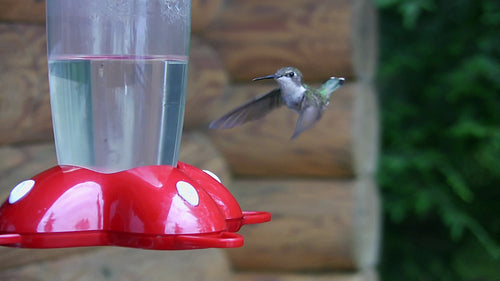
{"x": 152, "y": 207}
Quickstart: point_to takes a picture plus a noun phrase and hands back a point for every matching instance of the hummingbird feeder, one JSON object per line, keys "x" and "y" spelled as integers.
{"x": 118, "y": 75}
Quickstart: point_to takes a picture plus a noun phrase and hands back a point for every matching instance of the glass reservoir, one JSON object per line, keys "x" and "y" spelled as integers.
{"x": 118, "y": 75}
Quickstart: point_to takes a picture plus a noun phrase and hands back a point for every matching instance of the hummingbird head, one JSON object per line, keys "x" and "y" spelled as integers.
{"x": 287, "y": 77}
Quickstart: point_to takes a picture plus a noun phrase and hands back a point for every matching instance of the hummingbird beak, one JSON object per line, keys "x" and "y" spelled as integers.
{"x": 272, "y": 76}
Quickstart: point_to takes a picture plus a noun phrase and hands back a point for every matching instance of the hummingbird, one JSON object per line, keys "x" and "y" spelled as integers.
{"x": 308, "y": 102}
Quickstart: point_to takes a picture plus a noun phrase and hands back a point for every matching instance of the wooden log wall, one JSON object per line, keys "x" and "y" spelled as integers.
{"x": 319, "y": 187}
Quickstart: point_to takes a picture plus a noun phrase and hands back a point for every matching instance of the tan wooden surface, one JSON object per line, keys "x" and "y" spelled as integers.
{"x": 369, "y": 275}
{"x": 316, "y": 225}
{"x": 203, "y": 12}
{"x": 30, "y": 11}
{"x": 24, "y": 96}
{"x": 256, "y": 37}
{"x": 207, "y": 81}
{"x": 33, "y": 11}
{"x": 125, "y": 264}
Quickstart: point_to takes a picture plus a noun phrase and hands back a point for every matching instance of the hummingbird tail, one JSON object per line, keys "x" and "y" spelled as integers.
{"x": 331, "y": 85}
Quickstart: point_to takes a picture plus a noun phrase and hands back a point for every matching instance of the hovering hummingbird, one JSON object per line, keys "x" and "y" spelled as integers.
{"x": 307, "y": 101}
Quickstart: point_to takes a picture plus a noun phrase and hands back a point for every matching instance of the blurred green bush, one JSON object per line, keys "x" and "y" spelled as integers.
{"x": 439, "y": 84}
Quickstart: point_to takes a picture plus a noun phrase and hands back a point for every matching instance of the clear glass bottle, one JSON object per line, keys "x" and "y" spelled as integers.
{"x": 118, "y": 75}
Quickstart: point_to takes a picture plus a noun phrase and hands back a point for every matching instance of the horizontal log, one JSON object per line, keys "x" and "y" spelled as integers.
{"x": 33, "y": 11}
{"x": 257, "y": 37}
{"x": 329, "y": 149}
{"x": 369, "y": 275}
{"x": 316, "y": 225}
{"x": 207, "y": 79}
{"x": 203, "y": 13}
{"x": 113, "y": 263}
{"x": 25, "y": 99}
{"x": 16, "y": 257}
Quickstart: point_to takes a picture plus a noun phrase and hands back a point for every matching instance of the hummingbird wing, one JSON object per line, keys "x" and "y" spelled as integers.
{"x": 308, "y": 116}
{"x": 249, "y": 111}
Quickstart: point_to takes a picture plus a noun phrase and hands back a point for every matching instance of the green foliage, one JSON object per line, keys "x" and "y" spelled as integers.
{"x": 410, "y": 9}
{"x": 439, "y": 81}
